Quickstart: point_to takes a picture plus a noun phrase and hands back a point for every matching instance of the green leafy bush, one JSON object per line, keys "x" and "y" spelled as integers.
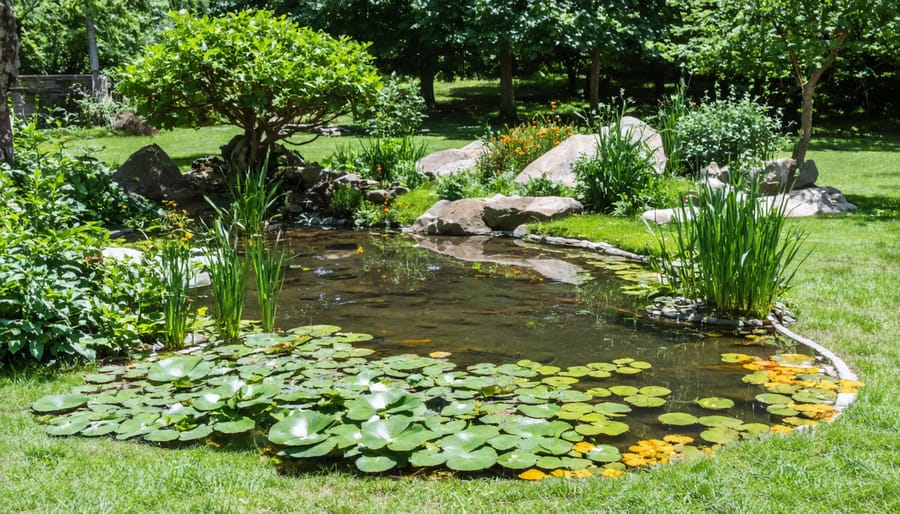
{"x": 398, "y": 110}
{"x": 731, "y": 251}
{"x": 465, "y": 184}
{"x": 620, "y": 178}
{"x": 672, "y": 109}
{"x": 726, "y": 130}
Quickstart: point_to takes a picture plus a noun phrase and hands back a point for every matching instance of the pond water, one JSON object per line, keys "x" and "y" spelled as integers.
{"x": 502, "y": 301}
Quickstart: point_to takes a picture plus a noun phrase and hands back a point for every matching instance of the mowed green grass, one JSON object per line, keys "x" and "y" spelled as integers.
{"x": 847, "y": 298}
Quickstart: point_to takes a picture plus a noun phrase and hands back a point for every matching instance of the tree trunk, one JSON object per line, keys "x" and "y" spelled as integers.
{"x": 9, "y": 72}
{"x": 426, "y": 85}
{"x": 806, "y": 116}
{"x": 93, "y": 55}
{"x": 594, "y": 79}
{"x": 507, "y": 100}
{"x": 571, "y": 64}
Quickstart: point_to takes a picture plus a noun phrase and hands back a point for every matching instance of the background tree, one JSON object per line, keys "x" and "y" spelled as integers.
{"x": 262, "y": 73}
{"x": 775, "y": 38}
{"x": 9, "y": 69}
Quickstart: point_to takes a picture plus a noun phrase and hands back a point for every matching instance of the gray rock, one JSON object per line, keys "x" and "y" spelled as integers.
{"x": 806, "y": 175}
{"x": 558, "y": 164}
{"x": 150, "y": 172}
{"x": 426, "y": 223}
{"x": 452, "y": 161}
{"x": 776, "y": 175}
{"x": 462, "y": 218}
{"x": 813, "y": 201}
{"x": 508, "y": 212}
{"x": 663, "y": 216}
{"x": 379, "y": 196}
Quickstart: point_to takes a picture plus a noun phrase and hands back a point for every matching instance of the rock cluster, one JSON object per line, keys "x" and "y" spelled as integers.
{"x": 478, "y": 217}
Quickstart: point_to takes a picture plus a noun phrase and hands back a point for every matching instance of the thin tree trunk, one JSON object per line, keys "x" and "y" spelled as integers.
{"x": 426, "y": 85}
{"x": 806, "y": 117}
{"x": 9, "y": 72}
{"x": 93, "y": 55}
{"x": 507, "y": 99}
{"x": 594, "y": 79}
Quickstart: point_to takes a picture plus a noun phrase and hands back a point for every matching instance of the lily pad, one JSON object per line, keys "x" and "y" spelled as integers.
{"x": 200, "y": 432}
{"x": 655, "y": 391}
{"x": 715, "y": 403}
{"x": 427, "y": 458}
{"x": 162, "y": 436}
{"x": 471, "y": 460}
{"x": 720, "y": 421}
{"x": 814, "y": 395}
{"x": 244, "y": 424}
{"x": 640, "y": 400}
{"x": 59, "y": 403}
{"x": 303, "y": 428}
{"x": 517, "y": 459}
{"x": 773, "y": 399}
{"x": 173, "y": 368}
{"x": 623, "y": 390}
{"x": 603, "y": 453}
{"x": 679, "y": 419}
{"x": 720, "y": 435}
{"x": 375, "y": 463}
{"x": 610, "y": 428}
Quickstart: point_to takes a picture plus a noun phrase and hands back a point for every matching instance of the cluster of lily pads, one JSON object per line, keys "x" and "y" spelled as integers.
{"x": 313, "y": 395}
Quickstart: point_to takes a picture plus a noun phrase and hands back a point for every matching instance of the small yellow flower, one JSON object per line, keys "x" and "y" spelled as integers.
{"x": 359, "y": 249}
{"x": 202, "y": 311}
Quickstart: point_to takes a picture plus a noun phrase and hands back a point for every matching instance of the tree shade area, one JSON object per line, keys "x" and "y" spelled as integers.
{"x": 842, "y": 54}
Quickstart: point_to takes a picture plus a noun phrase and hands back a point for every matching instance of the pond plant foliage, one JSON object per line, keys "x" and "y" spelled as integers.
{"x": 311, "y": 395}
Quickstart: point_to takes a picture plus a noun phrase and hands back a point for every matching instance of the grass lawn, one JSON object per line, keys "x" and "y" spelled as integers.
{"x": 847, "y": 298}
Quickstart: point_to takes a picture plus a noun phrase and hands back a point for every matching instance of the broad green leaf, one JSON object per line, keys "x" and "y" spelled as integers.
{"x": 302, "y": 428}
{"x": 715, "y": 403}
{"x": 679, "y": 419}
{"x": 59, "y": 403}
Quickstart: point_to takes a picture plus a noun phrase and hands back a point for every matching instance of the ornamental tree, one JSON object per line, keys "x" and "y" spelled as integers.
{"x": 777, "y": 38}
{"x": 257, "y": 71}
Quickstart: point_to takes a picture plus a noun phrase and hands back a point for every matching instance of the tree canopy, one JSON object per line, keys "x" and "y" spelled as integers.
{"x": 260, "y": 72}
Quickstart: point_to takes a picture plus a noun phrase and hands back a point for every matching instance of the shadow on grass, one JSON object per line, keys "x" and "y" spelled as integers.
{"x": 876, "y": 207}
{"x": 873, "y": 143}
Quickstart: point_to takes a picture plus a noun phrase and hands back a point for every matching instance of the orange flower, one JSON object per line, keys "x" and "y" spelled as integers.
{"x": 533, "y": 474}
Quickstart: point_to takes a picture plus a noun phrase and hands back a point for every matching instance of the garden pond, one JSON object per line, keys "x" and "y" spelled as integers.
{"x": 525, "y": 356}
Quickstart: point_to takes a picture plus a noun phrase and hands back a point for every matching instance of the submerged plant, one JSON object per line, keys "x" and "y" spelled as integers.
{"x": 732, "y": 251}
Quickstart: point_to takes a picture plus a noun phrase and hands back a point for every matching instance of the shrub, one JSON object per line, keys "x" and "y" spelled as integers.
{"x": 512, "y": 150}
{"x": 726, "y": 130}
{"x": 731, "y": 251}
{"x": 398, "y": 110}
{"x": 58, "y": 296}
{"x": 465, "y": 184}
{"x": 620, "y": 178}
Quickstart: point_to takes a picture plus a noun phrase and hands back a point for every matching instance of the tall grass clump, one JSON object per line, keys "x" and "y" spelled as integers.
{"x": 175, "y": 271}
{"x": 620, "y": 178}
{"x": 732, "y": 251}
{"x": 254, "y": 198}
{"x": 228, "y": 274}
{"x": 672, "y": 108}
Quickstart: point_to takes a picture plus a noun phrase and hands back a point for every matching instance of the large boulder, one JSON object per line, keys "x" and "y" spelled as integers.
{"x": 452, "y": 161}
{"x": 457, "y": 218}
{"x": 637, "y": 130}
{"x": 813, "y": 201}
{"x": 150, "y": 172}
{"x": 558, "y": 163}
{"x": 474, "y": 217}
{"x": 508, "y": 212}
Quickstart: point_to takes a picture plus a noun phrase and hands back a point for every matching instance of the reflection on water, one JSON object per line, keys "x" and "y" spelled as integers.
{"x": 501, "y": 301}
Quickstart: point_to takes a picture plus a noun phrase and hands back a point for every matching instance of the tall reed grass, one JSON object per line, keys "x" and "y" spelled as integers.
{"x": 228, "y": 274}
{"x": 732, "y": 251}
{"x": 175, "y": 266}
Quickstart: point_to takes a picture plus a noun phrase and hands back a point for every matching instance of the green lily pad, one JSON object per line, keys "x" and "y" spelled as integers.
{"x": 607, "y": 427}
{"x": 427, "y": 458}
{"x": 773, "y": 399}
{"x": 375, "y": 463}
{"x": 545, "y": 410}
{"x": 642, "y": 365}
{"x": 678, "y": 419}
{"x": 100, "y": 428}
{"x": 720, "y": 435}
{"x": 200, "y": 432}
{"x": 715, "y": 403}
{"x": 604, "y": 453}
{"x": 548, "y": 370}
{"x": 303, "y": 428}
{"x": 162, "y": 436}
{"x": 560, "y": 381}
{"x": 612, "y": 409}
{"x": 623, "y": 390}
{"x": 59, "y": 403}
{"x": 68, "y": 426}
{"x": 720, "y": 421}
{"x": 550, "y": 462}
{"x": 471, "y": 460}
{"x": 814, "y": 395}
{"x": 627, "y": 370}
{"x": 599, "y": 392}
{"x": 757, "y": 377}
{"x": 517, "y": 459}
{"x": 781, "y": 410}
{"x": 100, "y": 378}
{"x": 458, "y": 408}
{"x": 736, "y": 358}
{"x": 311, "y": 452}
{"x": 576, "y": 371}
{"x": 754, "y": 428}
{"x": 238, "y": 426}
{"x": 655, "y": 391}
{"x": 640, "y": 400}
{"x": 783, "y": 388}
{"x": 173, "y": 368}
